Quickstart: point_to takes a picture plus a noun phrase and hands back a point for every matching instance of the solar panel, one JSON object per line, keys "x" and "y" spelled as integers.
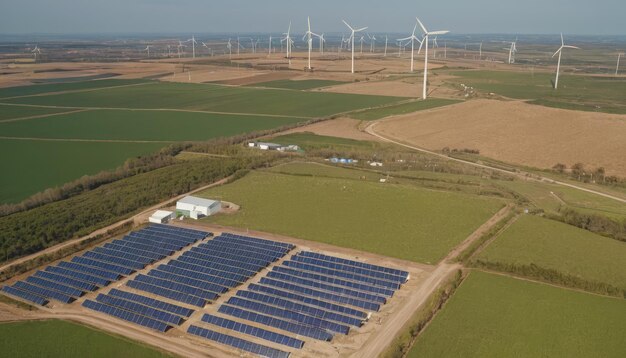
{"x": 127, "y": 316}
{"x": 335, "y": 281}
{"x": 275, "y": 252}
{"x": 43, "y": 292}
{"x": 146, "y": 246}
{"x": 222, "y": 259}
{"x": 85, "y": 286}
{"x": 326, "y": 287}
{"x": 260, "y": 241}
{"x": 70, "y": 291}
{"x": 289, "y": 315}
{"x": 351, "y": 276}
{"x": 95, "y": 271}
{"x": 25, "y": 295}
{"x": 153, "y": 256}
{"x": 237, "y": 343}
{"x": 298, "y": 307}
{"x": 297, "y": 328}
{"x": 217, "y": 263}
{"x": 138, "y": 308}
{"x": 226, "y": 282}
{"x": 174, "y": 295}
{"x": 348, "y": 268}
{"x": 227, "y": 239}
{"x": 392, "y": 271}
{"x": 308, "y": 300}
{"x": 97, "y": 254}
{"x": 207, "y": 295}
{"x": 124, "y": 271}
{"x": 78, "y": 275}
{"x": 253, "y": 331}
{"x": 207, "y": 286}
{"x": 229, "y": 249}
{"x": 320, "y": 294}
{"x": 164, "y": 306}
{"x": 209, "y": 270}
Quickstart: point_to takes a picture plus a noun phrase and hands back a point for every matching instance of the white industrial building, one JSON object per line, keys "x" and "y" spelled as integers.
{"x": 161, "y": 217}
{"x": 194, "y": 207}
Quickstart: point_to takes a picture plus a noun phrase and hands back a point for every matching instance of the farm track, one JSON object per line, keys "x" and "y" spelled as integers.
{"x": 519, "y": 174}
{"x": 157, "y": 110}
{"x": 40, "y": 116}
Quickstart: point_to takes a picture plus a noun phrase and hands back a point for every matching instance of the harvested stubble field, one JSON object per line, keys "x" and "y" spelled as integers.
{"x": 519, "y": 133}
{"x": 401, "y": 221}
{"x": 499, "y": 316}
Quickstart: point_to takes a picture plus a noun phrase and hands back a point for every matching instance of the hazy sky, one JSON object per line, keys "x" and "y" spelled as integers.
{"x": 202, "y": 16}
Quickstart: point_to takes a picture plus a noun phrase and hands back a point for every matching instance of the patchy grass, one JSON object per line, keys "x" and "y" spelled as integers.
{"x": 400, "y": 221}
{"x": 56, "y": 338}
{"x": 498, "y": 316}
{"x": 567, "y": 249}
{"x": 404, "y": 108}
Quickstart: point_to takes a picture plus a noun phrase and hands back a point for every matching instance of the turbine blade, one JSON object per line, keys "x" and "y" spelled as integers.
{"x": 359, "y": 30}
{"x": 557, "y": 51}
{"x": 350, "y": 27}
{"x": 421, "y": 25}
{"x": 438, "y": 32}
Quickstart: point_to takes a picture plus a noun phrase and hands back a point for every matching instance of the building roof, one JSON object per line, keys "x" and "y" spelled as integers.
{"x": 193, "y": 200}
{"x": 160, "y": 214}
{"x": 268, "y": 144}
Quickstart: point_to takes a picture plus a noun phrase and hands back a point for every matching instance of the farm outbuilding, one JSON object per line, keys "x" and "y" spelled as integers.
{"x": 194, "y": 207}
{"x": 161, "y": 217}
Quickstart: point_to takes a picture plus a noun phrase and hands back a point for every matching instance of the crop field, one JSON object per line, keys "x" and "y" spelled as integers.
{"x": 141, "y": 125}
{"x": 400, "y": 221}
{"x": 561, "y": 247}
{"x": 404, "y": 108}
{"x": 497, "y": 316}
{"x": 589, "y": 93}
{"x": 56, "y": 338}
{"x": 15, "y": 112}
{"x": 211, "y": 97}
{"x": 298, "y": 85}
{"x": 62, "y": 87}
{"x": 31, "y": 166}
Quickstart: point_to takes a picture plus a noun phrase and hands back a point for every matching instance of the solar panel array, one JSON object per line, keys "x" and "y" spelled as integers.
{"x": 207, "y": 271}
{"x": 101, "y": 266}
{"x": 315, "y": 295}
{"x": 237, "y": 343}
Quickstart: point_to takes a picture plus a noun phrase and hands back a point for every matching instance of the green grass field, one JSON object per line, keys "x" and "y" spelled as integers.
{"x": 298, "y": 85}
{"x": 31, "y": 166}
{"x": 404, "y": 108}
{"x": 400, "y": 221}
{"x": 603, "y": 94}
{"x": 141, "y": 125}
{"x": 496, "y": 316}
{"x": 61, "y": 87}
{"x": 211, "y": 97}
{"x": 13, "y": 112}
{"x": 56, "y": 338}
{"x": 561, "y": 247}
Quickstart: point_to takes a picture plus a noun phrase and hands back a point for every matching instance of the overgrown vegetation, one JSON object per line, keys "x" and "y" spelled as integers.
{"x": 597, "y": 224}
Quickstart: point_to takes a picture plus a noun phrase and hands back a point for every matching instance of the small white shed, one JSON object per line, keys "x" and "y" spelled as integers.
{"x": 161, "y": 217}
{"x": 194, "y": 207}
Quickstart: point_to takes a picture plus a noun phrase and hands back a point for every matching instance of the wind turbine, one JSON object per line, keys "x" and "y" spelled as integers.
{"x": 412, "y": 39}
{"x": 362, "y": 40}
{"x": 193, "y": 45}
{"x": 558, "y": 66}
{"x": 372, "y": 43}
{"x": 426, "y": 36}
{"x": 309, "y": 39}
{"x": 148, "y": 49}
{"x": 386, "y": 41}
{"x": 229, "y": 46}
{"x": 435, "y": 47}
{"x": 180, "y": 45}
{"x": 619, "y": 56}
{"x": 352, "y": 39}
{"x": 288, "y": 40}
{"x": 512, "y": 51}
{"x": 322, "y": 41}
{"x": 36, "y": 51}
{"x": 270, "y": 47}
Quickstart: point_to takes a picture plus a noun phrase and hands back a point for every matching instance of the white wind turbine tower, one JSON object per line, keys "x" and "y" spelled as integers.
{"x": 193, "y": 45}
{"x": 36, "y": 51}
{"x": 351, "y": 38}
{"x": 512, "y": 51}
{"x": 309, "y": 39}
{"x": 229, "y": 46}
{"x": 435, "y": 47}
{"x": 270, "y": 47}
{"x": 180, "y": 46}
{"x": 412, "y": 40}
{"x": 322, "y": 41}
{"x": 619, "y": 56}
{"x": 147, "y": 49}
{"x": 372, "y": 43}
{"x": 426, "y": 35}
{"x": 558, "y": 66}
{"x": 386, "y": 42}
{"x": 288, "y": 40}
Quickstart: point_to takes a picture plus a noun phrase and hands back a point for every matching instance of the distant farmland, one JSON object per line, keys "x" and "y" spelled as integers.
{"x": 400, "y": 221}
{"x": 497, "y": 316}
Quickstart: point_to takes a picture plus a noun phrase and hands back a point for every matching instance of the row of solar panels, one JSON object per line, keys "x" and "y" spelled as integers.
{"x": 316, "y": 295}
{"x": 237, "y": 342}
{"x": 139, "y": 309}
{"x": 102, "y": 265}
{"x": 204, "y": 273}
